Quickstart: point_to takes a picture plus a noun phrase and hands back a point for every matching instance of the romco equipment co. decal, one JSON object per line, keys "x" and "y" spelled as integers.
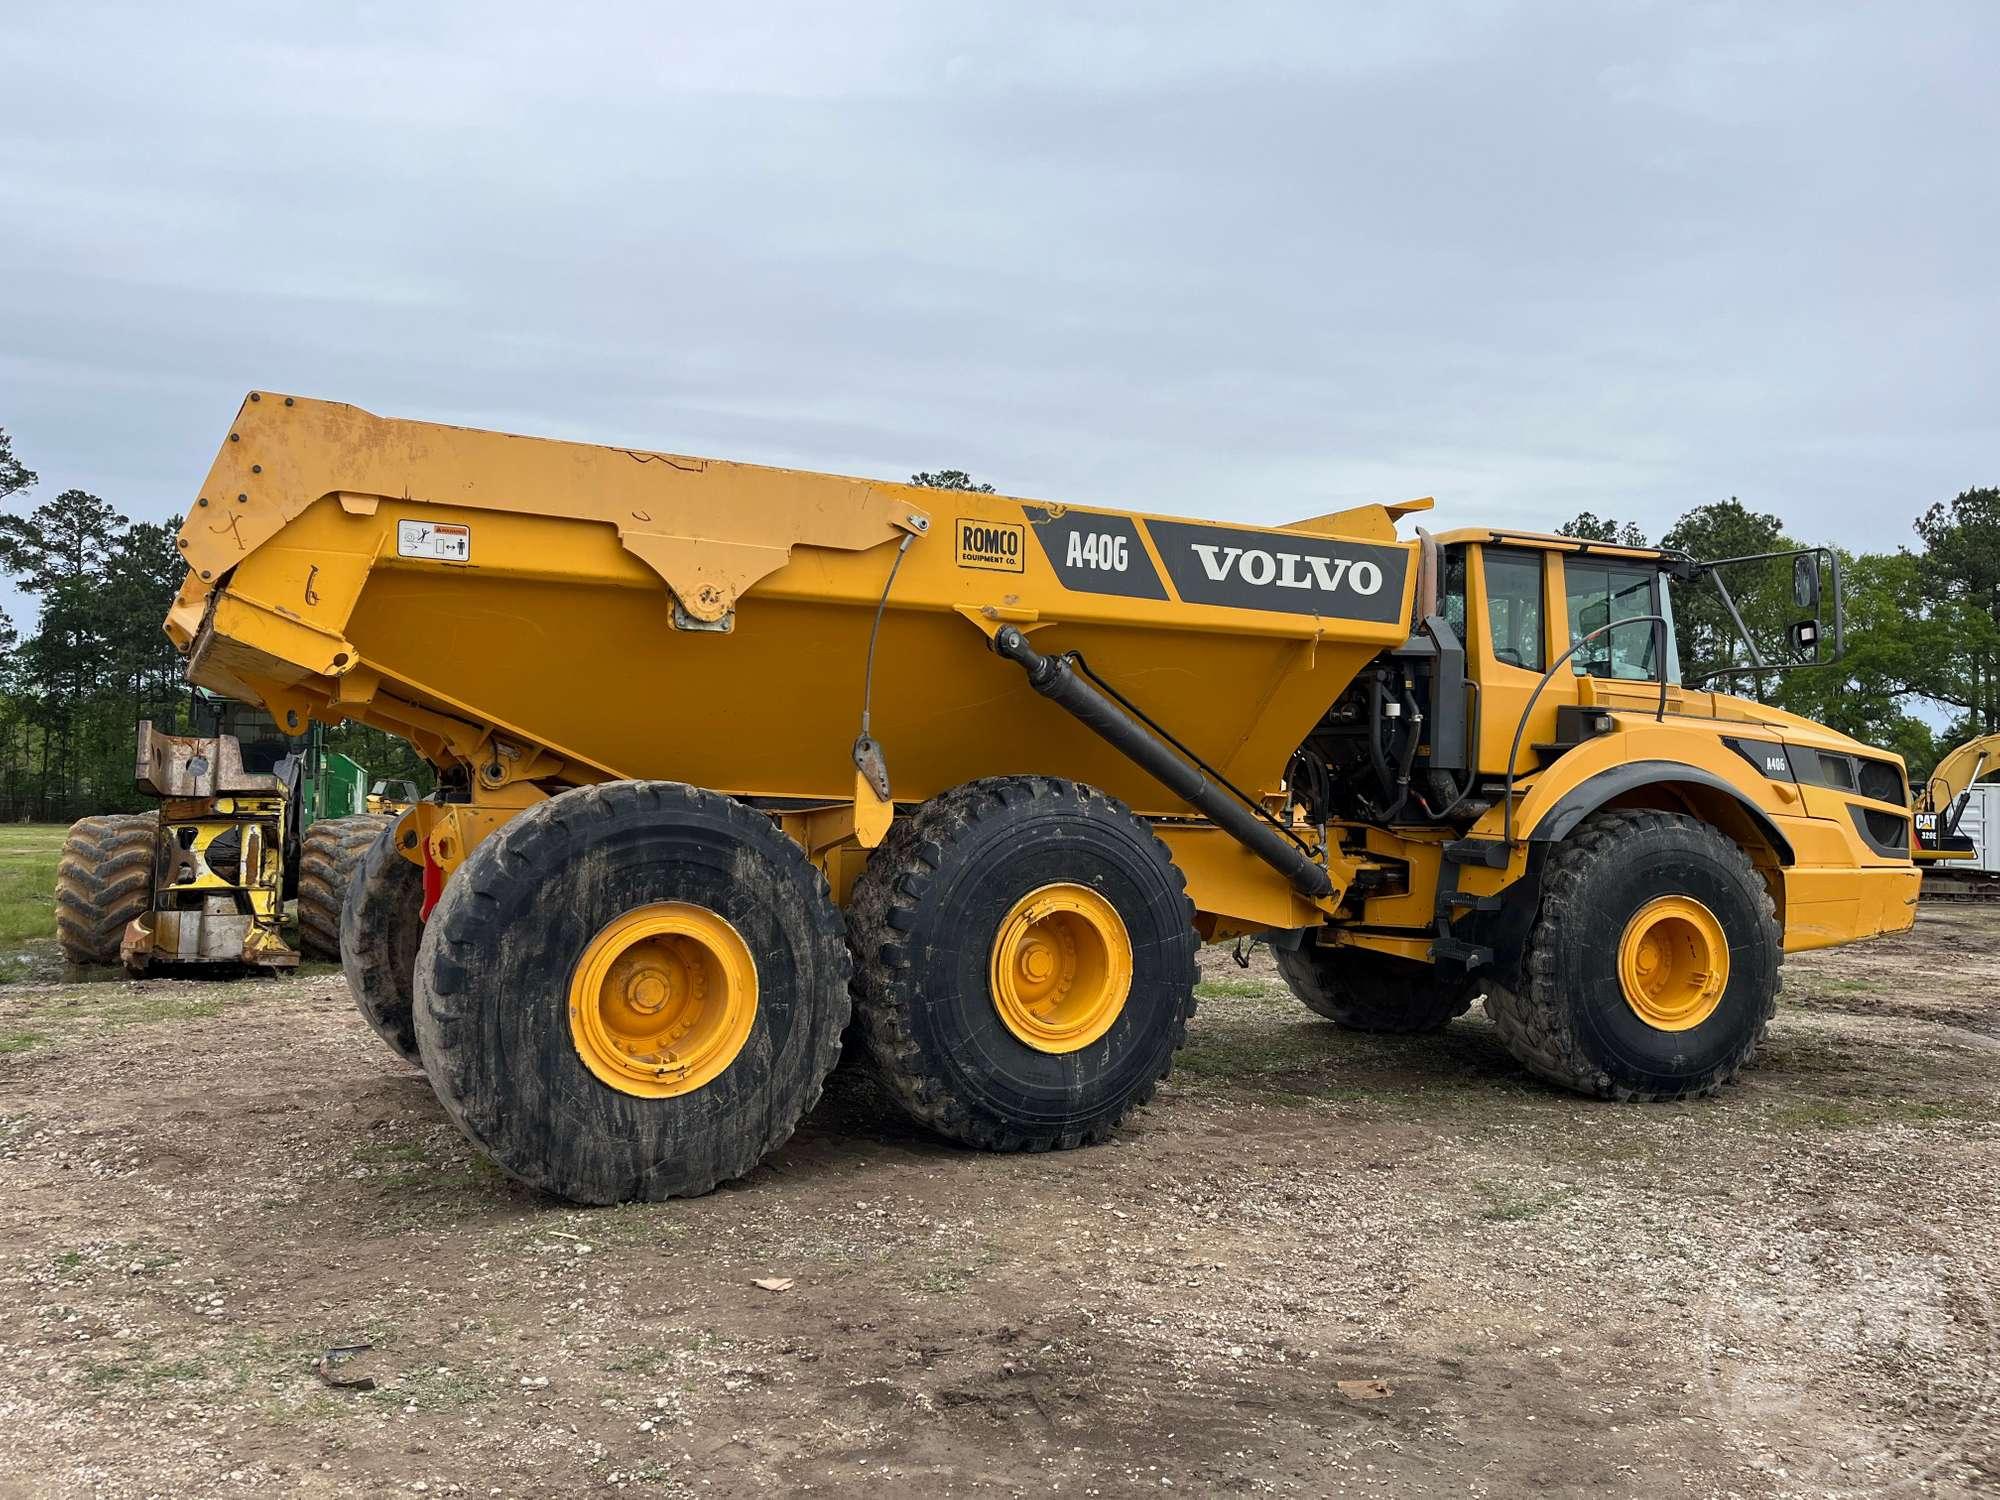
{"x": 997, "y": 545}
{"x": 1284, "y": 571}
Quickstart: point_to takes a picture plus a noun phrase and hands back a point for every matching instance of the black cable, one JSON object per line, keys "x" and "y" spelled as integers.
{"x": 868, "y": 673}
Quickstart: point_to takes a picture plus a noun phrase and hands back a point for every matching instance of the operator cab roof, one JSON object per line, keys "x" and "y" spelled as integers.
{"x": 1550, "y": 542}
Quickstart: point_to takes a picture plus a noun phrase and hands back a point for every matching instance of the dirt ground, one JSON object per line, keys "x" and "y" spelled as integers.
{"x": 1319, "y": 1264}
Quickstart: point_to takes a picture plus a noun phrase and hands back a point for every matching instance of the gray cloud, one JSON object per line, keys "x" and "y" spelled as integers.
{"x": 1253, "y": 263}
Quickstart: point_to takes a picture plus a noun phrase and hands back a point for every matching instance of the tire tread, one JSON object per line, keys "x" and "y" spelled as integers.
{"x": 884, "y": 906}
{"x": 1528, "y": 1009}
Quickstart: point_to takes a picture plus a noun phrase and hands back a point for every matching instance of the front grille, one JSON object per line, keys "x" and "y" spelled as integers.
{"x": 1883, "y": 780}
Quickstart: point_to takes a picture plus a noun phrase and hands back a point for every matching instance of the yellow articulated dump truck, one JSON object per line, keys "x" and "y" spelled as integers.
{"x": 724, "y": 752}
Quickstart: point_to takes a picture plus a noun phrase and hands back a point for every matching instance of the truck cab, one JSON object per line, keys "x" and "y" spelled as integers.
{"x": 1576, "y": 704}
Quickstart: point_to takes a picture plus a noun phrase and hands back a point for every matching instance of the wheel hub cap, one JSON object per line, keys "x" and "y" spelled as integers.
{"x": 1673, "y": 963}
{"x": 1061, "y": 968}
{"x": 662, "y": 1000}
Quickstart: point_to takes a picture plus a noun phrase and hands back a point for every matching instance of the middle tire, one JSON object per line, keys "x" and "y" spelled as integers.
{"x": 632, "y": 990}
{"x": 1364, "y": 991}
{"x": 381, "y": 928}
{"x": 1026, "y": 963}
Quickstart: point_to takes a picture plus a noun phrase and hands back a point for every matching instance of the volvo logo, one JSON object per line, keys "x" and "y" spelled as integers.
{"x": 1287, "y": 570}
{"x": 1291, "y": 573}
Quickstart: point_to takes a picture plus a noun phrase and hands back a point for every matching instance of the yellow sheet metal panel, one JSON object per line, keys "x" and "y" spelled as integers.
{"x": 1827, "y": 906}
{"x": 496, "y": 584}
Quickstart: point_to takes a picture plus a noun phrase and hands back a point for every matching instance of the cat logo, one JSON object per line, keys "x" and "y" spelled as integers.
{"x": 996, "y": 545}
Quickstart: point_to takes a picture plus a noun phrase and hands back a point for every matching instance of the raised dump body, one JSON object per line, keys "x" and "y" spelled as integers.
{"x": 1006, "y": 734}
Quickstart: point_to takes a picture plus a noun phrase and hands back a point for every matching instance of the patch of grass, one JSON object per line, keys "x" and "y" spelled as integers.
{"x": 1244, "y": 1054}
{"x": 1862, "y": 1113}
{"x": 424, "y": 1184}
{"x": 1507, "y": 1204}
{"x": 955, "y": 1276}
{"x": 115, "y": 1007}
{"x": 435, "y": 1388}
{"x": 1234, "y": 989}
{"x": 631, "y": 1224}
{"x": 22, "y": 1041}
{"x": 656, "y": 1360}
{"x": 252, "y": 1358}
{"x": 28, "y": 855}
{"x": 144, "y": 1375}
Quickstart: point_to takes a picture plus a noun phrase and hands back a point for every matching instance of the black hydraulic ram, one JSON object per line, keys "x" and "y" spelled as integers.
{"x": 1058, "y": 680}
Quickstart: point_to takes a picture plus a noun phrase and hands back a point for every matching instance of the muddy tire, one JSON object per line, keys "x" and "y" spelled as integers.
{"x": 381, "y": 928}
{"x": 104, "y": 880}
{"x": 1580, "y": 1010}
{"x": 932, "y": 914}
{"x": 1376, "y": 992}
{"x": 329, "y": 856}
{"x": 517, "y": 943}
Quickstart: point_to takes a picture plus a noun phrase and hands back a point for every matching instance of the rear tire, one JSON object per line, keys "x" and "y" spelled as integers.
{"x": 1364, "y": 991}
{"x": 1568, "y": 1016}
{"x": 514, "y": 934}
{"x": 925, "y": 919}
{"x": 329, "y": 857}
{"x": 104, "y": 880}
{"x": 381, "y": 928}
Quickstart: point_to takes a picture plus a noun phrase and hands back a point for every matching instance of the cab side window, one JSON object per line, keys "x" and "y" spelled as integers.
{"x": 1514, "y": 607}
{"x": 1451, "y": 590}
{"x": 1604, "y": 593}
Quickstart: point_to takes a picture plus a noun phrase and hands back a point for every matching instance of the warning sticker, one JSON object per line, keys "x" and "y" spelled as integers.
{"x": 436, "y": 543}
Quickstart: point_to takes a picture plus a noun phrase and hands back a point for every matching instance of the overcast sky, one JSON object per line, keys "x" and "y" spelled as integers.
{"x": 1255, "y": 263}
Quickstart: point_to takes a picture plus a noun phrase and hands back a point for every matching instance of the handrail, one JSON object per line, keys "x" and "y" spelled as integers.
{"x": 1659, "y": 623}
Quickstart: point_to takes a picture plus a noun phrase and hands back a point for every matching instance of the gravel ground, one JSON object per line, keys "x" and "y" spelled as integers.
{"x": 1319, "y": 1264}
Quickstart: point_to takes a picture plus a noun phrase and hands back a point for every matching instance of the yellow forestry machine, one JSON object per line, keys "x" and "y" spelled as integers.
{"x": 249, "y": 818}
{"x": 392, "y": 797}
{"x": 726, "y": 751}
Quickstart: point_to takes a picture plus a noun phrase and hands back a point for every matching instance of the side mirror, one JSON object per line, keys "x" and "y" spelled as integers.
{"x": 1805, "y": 581}
{"x": 1805, "y": 640}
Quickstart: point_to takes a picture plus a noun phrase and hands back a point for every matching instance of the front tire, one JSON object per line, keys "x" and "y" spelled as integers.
{"x": 1652, "y": 969}
{"x": 103, "y": 881}
{"x": 1364, "y": 991}
{"x": 1025, "y": 963}
{"x": 631, "y": 991}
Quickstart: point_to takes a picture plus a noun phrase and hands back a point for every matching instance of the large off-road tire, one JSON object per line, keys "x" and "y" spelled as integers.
{"x": 1622, "y": 991}
{"x": 559, "y": 931}
{"x": 329, "y": 856}
{"x": 1365, "y": 991}
{"x": 381, "y": 927}
{"x": 951, "y": 901}
{"x": 104, "y": 879}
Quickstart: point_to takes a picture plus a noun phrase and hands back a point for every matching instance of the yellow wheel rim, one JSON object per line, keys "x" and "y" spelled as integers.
{"x": 1673, "y": 963}
{"x": 662, "y": 1000}
{"x": 1061, "y": 968}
